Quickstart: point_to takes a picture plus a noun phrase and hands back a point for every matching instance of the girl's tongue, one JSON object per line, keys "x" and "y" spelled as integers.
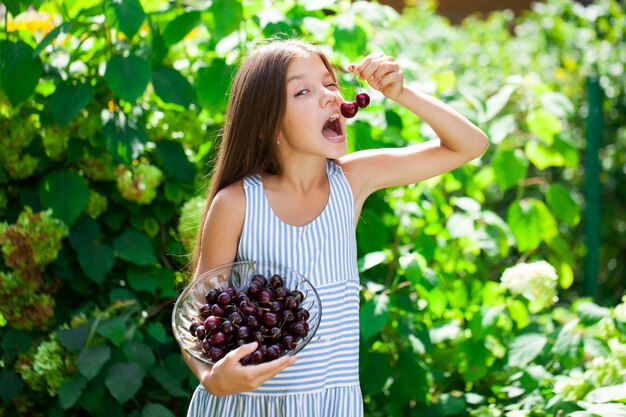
{"x": 332, "y": 128}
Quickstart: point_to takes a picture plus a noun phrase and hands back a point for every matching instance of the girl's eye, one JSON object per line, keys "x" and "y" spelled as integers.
{"x": 301, "y": 92}
{"x": 331, "y": 85}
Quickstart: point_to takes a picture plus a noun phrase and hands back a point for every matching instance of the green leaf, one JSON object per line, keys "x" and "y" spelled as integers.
{"x": 85, "y": 231}
{"x": 174, "y": 160}
{"x": 452, "y": 405}
{"x": 542, "y": 156}
{"x": 531, "y": 222}
{"x": 510, "y": 167}
{"x": 227, "y": 17}
{"x": 374, "y": 315}
{"x": 157, "y": 332}
{"x": 69, "y": 99}
{"x": 128, "y": 77}
{"x": 11, "y": 384}
{"x": 563, "y": 204}
{"x": 568, "y": 345}
{"x": 134, "y": 247}
{"x": 66, "y": 193}
{"x": 73, "y": 339}
{"x": 437, "y": 301}
{"x": 501, "y": 128}
{"x": 71, "y": 391}
{"x": 15, "y": 7}
{"x": 477, "y": 356}
{"x": 544, "y": 125}
{"x": 124, "y": 380}
{"x": 607, "y": 394}
{"x": 168, "y": 381}
{"x": 525, "y": 348}
{"x": 156, "y": 410}
{"x": 350, "y": 39}
{"x": 124, "y": 138}
{"x": 378, "y": 370}
{"x": 19, "y": 70}
{"x": 141, "y": 279}
{"x": 125, "y": 15}
{"x": 82, "y": 8}
{"x": 180, "y": 26}
{"x": 558, "y": 104}
{"x": 113, "y": 329}
{"x": 91, "y": 360}
{"x": 370, "y": 260}
{"x": 594, "y": 347}
{"x": 97, "y": 260}
{"x": 519, "y": 313}
{"x": 484, "y": 321}
{"x": 166, "y": 282}
{"x": 172, "y": 86}
{"x": 590, "y": 313}
{"x": 496, "y": 103}
{"x": 414, "y": 271}
{"x": 140, "y": 353}
{"x": 412, "y": 378}
{"x": 212, "y": 84}
{"x": 608, "y": 410}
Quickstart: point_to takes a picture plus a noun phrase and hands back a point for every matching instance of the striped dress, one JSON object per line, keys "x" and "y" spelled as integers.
{"x": 325, "y": 380}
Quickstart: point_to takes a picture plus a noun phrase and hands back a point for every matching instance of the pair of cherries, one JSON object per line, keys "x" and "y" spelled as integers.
{"x": 349, "y": 109}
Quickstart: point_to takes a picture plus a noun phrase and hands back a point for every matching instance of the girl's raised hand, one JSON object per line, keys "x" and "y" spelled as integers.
{"x": 381, "y": 72}
{"x": 228, "y": 376}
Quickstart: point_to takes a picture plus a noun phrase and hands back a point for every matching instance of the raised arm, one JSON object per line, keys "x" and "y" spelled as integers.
{"x": 459, "y": 141}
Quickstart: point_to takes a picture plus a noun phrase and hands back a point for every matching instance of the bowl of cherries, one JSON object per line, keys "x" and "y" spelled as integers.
{"x": 244, "y": 302}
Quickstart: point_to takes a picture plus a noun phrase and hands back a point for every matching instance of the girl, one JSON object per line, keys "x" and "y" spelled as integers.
{"x": 284, "y": 190}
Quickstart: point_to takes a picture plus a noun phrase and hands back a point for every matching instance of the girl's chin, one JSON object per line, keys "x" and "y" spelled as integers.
{"x": 336, "y": 139}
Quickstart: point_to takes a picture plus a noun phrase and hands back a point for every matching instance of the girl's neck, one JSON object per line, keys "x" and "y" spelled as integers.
{"x": 299, "y": 178}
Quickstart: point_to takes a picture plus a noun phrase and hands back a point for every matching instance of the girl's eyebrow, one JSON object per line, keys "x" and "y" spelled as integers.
{"x": 301, "y": 77}
{"x": 294, "y": 77}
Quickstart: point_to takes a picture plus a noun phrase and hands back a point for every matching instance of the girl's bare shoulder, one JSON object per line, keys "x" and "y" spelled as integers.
{"x": 230, "y": 201}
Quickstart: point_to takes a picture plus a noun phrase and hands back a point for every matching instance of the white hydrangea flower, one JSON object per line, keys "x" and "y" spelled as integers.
{"x": 618, "y": 351}
{"x": 619, "y": 312}
{"x": 535, "y": 281}
{"x": 604, "y": 372}
{"x": 572, "y": 387}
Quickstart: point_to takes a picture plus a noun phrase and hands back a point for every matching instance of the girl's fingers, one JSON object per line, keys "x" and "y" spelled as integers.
{"x": 367, "y": 70}
{"x": 357, "y": 69}
{"x": 234, "y": 356}
{"x": 268, "y": 370}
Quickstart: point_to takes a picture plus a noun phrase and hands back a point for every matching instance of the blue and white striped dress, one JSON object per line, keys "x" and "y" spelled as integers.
{"x": 325, "y": 380}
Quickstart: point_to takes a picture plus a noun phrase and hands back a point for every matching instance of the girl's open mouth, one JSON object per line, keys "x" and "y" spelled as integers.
{"x": 332, "y": 129}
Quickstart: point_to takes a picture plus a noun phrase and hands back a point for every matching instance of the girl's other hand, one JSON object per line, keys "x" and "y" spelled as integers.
{"x": 381, "y": 72}
{"x": 228, "y": 376}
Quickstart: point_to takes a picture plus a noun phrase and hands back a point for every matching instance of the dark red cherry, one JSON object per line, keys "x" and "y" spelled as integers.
{"x": 217, "y": 353}
{"x": 211, "y": 323}
{"x": 218, "y": 339}
{"x": 362, "y": 100}
{"x": 349, "y": 109}
{"x": 276, "y": 281}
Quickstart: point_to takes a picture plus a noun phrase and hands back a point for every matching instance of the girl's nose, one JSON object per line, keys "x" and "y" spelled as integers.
{"x": 330, "y": 96}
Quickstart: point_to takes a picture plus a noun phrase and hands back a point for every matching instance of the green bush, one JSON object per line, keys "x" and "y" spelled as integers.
{"x": 108, "y": 116}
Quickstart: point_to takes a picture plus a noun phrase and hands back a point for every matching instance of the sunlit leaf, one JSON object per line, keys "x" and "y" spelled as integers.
{"x": 525, "y": 348}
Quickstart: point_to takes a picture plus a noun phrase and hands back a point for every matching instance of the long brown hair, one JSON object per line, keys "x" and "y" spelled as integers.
{"x": 252, "y": 120}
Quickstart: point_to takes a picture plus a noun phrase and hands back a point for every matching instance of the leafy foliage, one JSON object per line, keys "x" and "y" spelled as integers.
{"x": 109, "y": 112}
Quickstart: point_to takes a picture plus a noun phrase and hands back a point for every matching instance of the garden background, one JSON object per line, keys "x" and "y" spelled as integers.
{"x": 109, "y": 113}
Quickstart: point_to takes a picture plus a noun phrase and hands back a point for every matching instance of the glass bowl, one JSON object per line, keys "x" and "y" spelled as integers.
{"x": 238, "y": 275}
